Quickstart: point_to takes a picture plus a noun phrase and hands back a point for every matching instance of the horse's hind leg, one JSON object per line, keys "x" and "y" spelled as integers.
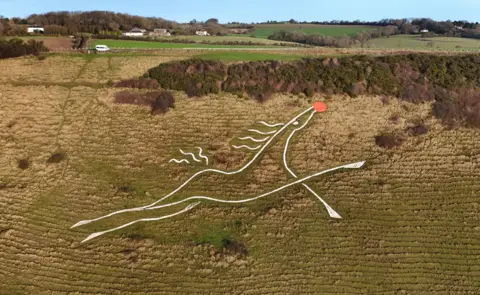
{"x": 97, "y": 234}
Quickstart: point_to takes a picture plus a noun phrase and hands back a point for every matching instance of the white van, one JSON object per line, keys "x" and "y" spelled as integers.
{"x": 102, "y": 48}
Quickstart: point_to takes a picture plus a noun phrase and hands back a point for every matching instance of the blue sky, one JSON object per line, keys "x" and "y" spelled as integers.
{"x": 259, "y": 10}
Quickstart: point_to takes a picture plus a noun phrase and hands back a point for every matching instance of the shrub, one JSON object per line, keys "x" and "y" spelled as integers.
{"x": 56, "y": 158}
{"x": 23, "y": 164}
{"x": 159, "y": 101}
{"x": 417, "y": 130}
{"x": 417, "y": 93}
{"x": 388, "y": 141}
{"x": 162, "y": 102}
{"x": 460, "y": 107}
{"x": 16, "y": 47}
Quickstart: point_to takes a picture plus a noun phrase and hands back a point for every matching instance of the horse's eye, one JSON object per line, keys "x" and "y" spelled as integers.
{"x": 295, "y": 123}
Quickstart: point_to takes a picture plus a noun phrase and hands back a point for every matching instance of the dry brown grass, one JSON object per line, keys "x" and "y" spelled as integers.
{"x": 410, "y": 217}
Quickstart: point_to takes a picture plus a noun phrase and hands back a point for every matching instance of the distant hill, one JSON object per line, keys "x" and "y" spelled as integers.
{"x": 265, "y": 30}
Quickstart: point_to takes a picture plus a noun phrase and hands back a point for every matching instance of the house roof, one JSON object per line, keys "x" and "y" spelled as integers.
{"x": 137, "y": 30}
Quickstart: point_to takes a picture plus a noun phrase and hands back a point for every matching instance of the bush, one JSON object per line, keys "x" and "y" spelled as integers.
{"x": 388, "y": 141}
{"x": 56, "y": 158}
{"x": 417, "y": 130}
{"x": 460, "y": 107}
{"x": 17, "y": 47}
{"x": 159, "y": 101}
{"x": 417, "y": 93}
{"x": 23, "y": 164}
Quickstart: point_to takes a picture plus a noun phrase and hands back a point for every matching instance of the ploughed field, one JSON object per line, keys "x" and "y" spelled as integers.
{"x": 68, "y": 152}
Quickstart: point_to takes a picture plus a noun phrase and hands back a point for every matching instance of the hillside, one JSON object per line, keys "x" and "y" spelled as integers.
{"x": 265, "y": 30}
{"x": 409, "y": 224}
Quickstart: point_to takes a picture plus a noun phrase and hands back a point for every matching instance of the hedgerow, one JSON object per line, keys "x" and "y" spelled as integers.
{"x": 17, "y": 47}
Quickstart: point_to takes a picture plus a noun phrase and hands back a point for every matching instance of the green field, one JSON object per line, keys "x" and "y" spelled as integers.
{"x": 145, "y": 44}
{"x": 416, "y": 42}
{"x": 231, "y": 38}
{"x": 263, "y": 31}
{"x": 247, "y": 56}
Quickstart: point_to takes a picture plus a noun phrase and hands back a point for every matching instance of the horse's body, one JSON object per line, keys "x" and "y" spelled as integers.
{"x": 196, "y": 200}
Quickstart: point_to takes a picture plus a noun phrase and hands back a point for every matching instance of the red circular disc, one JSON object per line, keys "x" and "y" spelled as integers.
{"x": 320, "y": 106}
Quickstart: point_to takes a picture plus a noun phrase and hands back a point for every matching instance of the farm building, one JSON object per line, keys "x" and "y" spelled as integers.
{"x": 135, "y": 32}
{"x": 35, "y": 29}
{"x": 160, "y": 32}
{"x": 202, "y": 33}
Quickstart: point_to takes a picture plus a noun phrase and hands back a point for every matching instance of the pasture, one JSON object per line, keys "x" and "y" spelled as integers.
{"x": 133, "y": 44}
{"x": 416, "y": 42}
{"x": 231, "y": 38}
{"x": 410, "y": 216}
{"x": 265, "y": 30}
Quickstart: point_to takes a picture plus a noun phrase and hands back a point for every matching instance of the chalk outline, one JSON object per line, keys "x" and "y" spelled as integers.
{"x": 200, "y": 151}
{"x": 253, "y": 139}
{"x": 179, "y": 161}
{"x": 247, "y": 147}
{"x": 330, "y": 211}
{"x": 264, "y": 133}
{"x": 152, "y": 206}
{"x": 271, "y": 125}
{"x": 191, "y": 206}
{"x": 83, "y": 222}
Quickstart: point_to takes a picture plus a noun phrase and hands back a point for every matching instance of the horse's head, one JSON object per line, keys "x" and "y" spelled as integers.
{"x": 301, "y": 120}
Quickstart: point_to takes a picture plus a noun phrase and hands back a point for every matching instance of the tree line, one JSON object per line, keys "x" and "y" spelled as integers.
{"x": 88, "y": 22}
{"x": 422, "y": 23}
{"x": 101, "y": 22}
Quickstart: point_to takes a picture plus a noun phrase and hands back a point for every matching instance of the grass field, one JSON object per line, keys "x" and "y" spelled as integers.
{"x": 416, "y": 42}
{"x": 239, "y": 38}
{"x": 410, "y": 216}
{"x": 263, "y": 31}
{"x": 145, "y": 44}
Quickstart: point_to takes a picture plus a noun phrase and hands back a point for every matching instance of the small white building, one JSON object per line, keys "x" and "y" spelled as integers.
{"x": 202, "y": 33}
{"x": 35, "y": 29}
{"x": 424, "y": 31}
{"x": 135, "y": 32}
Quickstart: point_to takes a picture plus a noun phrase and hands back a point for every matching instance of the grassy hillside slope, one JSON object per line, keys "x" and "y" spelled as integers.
{"x": 416, "y": 42}
{"x": 410, "y": 216}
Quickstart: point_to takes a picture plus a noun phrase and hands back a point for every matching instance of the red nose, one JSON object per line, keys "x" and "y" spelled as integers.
{"x": 320, "y": 106}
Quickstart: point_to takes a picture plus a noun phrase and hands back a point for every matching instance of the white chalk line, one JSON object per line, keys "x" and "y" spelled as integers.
{"x": 179, "y": 161}
{"x": 83, "y": 222}
{"x": 348, "y": 166}
{"x": 264, "y": 133}
{"x": 191, "y": 155}
{"x": 97, "y": 234}
{"x": 202, "y": 156}
{"x": 247, "y": 147}
{"x": 270, "y": 125}
{"x": 331, "y": 212}
{"x": 253, "y": 139}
